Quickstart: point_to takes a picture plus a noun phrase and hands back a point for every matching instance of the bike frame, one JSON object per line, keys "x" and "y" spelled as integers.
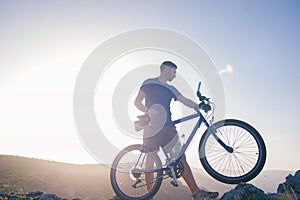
{"x": 190, "y": 138}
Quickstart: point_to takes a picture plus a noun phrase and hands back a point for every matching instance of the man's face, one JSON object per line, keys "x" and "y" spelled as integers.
{"x": 171, "y": 74}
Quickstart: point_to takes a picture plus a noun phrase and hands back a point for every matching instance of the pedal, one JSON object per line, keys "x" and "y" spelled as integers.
{"x": 174, "y": 183}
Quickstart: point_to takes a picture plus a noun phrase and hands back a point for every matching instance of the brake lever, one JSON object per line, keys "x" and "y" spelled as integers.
{"x": 202, "y": 98}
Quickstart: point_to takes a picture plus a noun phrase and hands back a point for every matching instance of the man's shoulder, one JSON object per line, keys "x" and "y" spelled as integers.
{"x": 174, "y": 90}
{"x": 156, "y": 81}
{"x": 170, "y": 86}
{"x": 151, "y": 81}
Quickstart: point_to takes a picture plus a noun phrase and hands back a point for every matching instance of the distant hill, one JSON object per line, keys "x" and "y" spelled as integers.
{"x": 92, "y": 181}
{"x": 65, "y": 180}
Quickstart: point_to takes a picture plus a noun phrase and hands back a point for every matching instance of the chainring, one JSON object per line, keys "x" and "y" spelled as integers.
{"x": 178, "y": 169}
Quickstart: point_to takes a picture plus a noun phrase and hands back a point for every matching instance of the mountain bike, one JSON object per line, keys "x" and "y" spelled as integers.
{"x": 230, "y": 150}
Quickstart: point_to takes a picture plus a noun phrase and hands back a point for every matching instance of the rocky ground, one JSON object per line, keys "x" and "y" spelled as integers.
{"x": 288, "y": 190}
{"x": 24, "y": 178}
{"x": 30, "y": 196}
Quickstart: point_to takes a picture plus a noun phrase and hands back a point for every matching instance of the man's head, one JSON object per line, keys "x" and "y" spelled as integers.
{"x": 166, "y": 64}
{"x": 168, "y": 70}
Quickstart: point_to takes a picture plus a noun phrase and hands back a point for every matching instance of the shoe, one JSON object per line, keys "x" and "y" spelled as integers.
{"x": 202, "y": 194}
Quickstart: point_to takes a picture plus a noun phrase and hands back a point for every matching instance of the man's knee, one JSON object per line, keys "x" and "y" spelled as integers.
{"x": 183, "y": 158}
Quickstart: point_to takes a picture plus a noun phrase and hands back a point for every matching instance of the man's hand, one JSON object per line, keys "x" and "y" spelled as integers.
{"x": 205, "y": 107}
{"x": 152, "y": 113}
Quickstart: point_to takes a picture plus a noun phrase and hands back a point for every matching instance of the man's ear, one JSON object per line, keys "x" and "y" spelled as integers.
{"x": 167, "y": 69}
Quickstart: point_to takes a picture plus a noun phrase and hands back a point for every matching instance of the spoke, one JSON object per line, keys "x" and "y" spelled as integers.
{"x": 247, "y": 139}
{"x": 217, "y": 160}
{"x": 237, "y": 167}
{"x": 227, "y": 136}
{"x": 246, "y": 157}
{"x": 251, "y": 144}
{"x": 243, "y": 163}
{"x": 127, "y": 183}
{"x": 229, "y": 163}
{"x": 240, "y": 135}
{"x": 223, "y": 135}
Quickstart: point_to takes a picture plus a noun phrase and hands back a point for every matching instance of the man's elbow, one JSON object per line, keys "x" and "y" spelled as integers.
{"x": 137, "y": 103}
{"x": 182, "y": 99}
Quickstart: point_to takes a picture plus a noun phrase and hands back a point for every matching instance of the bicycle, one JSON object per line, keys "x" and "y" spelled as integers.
{"x": 231, "y": 151}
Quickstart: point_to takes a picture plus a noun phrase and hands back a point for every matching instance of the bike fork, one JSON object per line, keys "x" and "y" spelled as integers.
{"x": 226, "y": 147}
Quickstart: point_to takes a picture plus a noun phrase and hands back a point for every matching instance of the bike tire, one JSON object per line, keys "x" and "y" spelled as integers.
{"x": 248, "y": 156}
{"x": 122, "y": 178}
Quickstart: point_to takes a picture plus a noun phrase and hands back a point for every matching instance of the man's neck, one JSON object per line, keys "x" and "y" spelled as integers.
{"x": 162, "y": 79}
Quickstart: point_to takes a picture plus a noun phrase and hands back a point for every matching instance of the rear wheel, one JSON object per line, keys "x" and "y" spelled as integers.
{"x": 128, "y": 177}
{"x": 243, "y": 163}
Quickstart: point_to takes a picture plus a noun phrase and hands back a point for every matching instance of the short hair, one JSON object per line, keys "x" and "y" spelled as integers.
{"x": 167, "y": 64}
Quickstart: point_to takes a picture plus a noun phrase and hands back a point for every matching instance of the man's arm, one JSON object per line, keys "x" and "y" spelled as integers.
{"x": 188, "y": 102}
{"x": 138, "y": 101}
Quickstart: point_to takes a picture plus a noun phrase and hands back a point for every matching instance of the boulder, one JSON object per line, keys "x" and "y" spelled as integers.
{"x": 291, "y": 186}
{"x": 49, "y": 197}
{"x": 245, "y": 191}
{"x": 294, "y": 181}
{"x": 36, "y": 193}
{"x": 3, "y": 196}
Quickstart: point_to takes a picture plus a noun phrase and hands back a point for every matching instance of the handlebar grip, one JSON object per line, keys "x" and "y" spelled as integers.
{"x": 198, "y": 90}
{"x": 201, "y": 98}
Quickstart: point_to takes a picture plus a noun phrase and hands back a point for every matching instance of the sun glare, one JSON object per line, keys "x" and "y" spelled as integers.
{"x": 227, "y": 69}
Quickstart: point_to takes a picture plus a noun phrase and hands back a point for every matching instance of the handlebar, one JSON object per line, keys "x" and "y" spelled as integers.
{"x": 204, "y": 101}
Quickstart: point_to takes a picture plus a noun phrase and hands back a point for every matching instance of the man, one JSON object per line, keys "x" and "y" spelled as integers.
{"x": 158, "y": 95}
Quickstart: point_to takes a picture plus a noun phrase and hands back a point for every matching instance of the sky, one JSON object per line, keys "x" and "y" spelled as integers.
{"x": 45, "y": 43}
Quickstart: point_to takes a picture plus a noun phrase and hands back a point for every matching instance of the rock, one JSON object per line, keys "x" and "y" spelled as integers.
{"x": 291, "y": 186}
{"x": 3, "y": 196}
{"x": 36, "y": 193}
{"x": 273, "y": 196}
{"x": 245, "y": 191}
{"x": 294, "y": 181}
{"x": 13, "y": 197}
{"x": 49, "y": 197}
{"x": 19, "y": 197}
{"x": 281, "y": 188}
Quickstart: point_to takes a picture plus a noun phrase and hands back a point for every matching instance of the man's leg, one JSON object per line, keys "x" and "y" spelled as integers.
{"x": 190, "y": 181}
{"x": 149, "y": 176}
{"x": 188, "y": 176}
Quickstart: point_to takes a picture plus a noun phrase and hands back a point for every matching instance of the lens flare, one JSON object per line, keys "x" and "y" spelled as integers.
{"x": 227, "y": 69}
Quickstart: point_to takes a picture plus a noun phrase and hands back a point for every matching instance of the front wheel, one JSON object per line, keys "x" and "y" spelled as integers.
{"x": 136, "y": 175}
{"x": 245, "y": 159}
